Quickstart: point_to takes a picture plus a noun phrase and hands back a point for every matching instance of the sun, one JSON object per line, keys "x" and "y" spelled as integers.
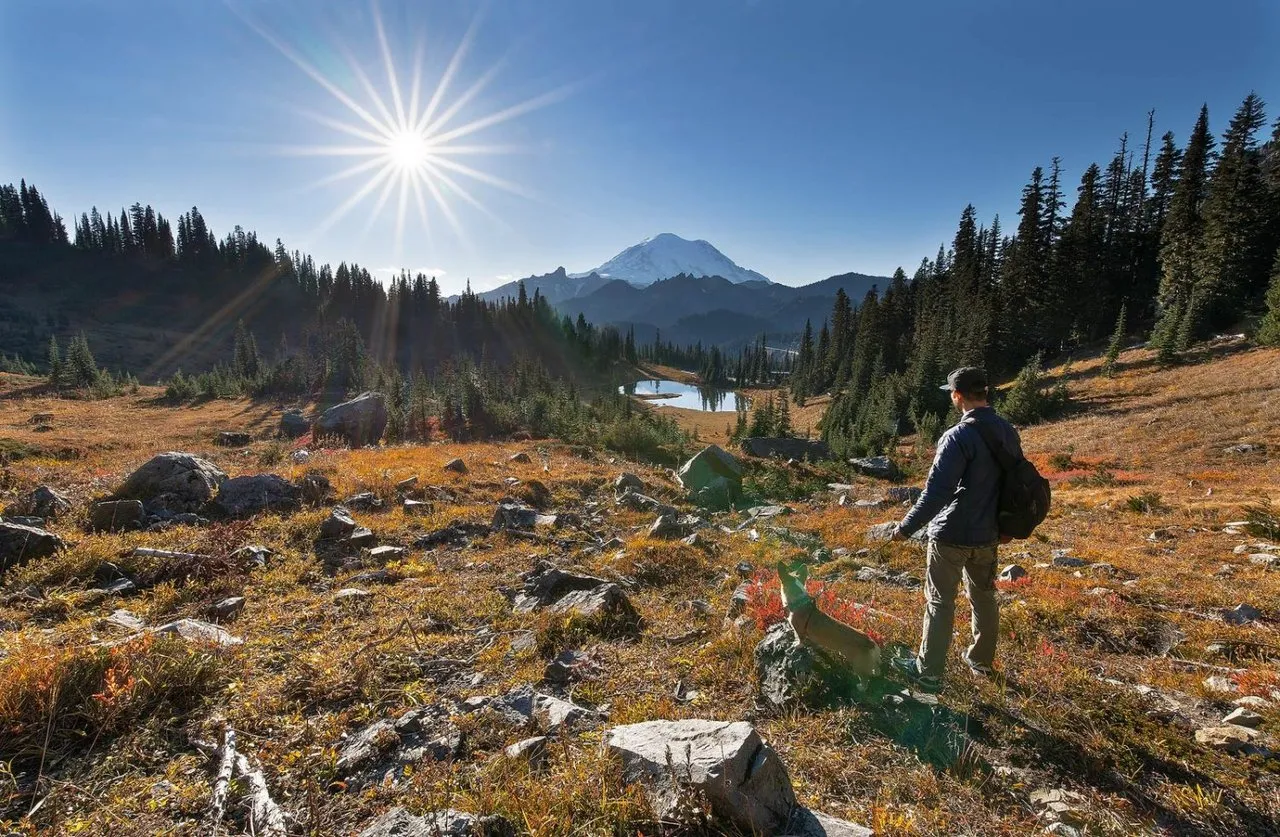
{"x": 408, "y": 150}
{"x": 408, "y": 144}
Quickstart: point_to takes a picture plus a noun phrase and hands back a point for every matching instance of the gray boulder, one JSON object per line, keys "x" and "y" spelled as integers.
{"x": 338, "y": 524}
{"x": 232, "y": 439}
{"x": 545, "y": 585}
{"x": 604, "y": 604}
{"x": 247, "y": 496}
{"x": 43, "y": 502}
{"x": 294, "y": 424}
{"x": 523, "y": 705}
{"x": 786, "y": 448}
{"x": 713, "y": 477}
{"x": 785, "y": 669}
{"x": 20, "y": 544}
{"x": 175, "y": 481}
{"x": 398, "y": 822}
{"x": 456, "y": 466}
{"x": 880, "y": 467}
{"x": 627, "y": 481}
{"x": 1242, "y": 614}
{"x": 520, "y": 517}
{"x": 116, "y": 515}
{"x": 359, "y": 422}
{"x": 741, "y": 777}
{"x": 903, "y": 494}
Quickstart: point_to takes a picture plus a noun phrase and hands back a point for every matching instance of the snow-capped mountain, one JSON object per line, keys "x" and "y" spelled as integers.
{"x": 667, "y": 255}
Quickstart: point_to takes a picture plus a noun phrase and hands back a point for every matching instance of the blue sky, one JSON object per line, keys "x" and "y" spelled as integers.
{"x": 802, "y": 138}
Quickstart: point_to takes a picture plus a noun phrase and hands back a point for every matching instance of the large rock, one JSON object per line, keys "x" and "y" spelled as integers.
{"x": 519, "y": 517}
{"x": 293, "y": 424}
{"x": 524, "y": 704}
{"x": 359, "y": 421}
{"x": 742, "y": 778}
{"x": 545, "y": 585}
{"x": 606, "y": 604}
{"x": 713, "y": 477}
{"x": 182, "y": 482}
{"x": 880, "y": 467}
{"x": 783, "y": 447}
{"x": 789, "y": 671}
{"x": 42, "y": 502}
{"x": 398, "y": 822}
{"x": 247, "y": 496}
{"x": 339, "y": 524}
{"x": 20, "y": 544}
{"x": 116, "y": 515}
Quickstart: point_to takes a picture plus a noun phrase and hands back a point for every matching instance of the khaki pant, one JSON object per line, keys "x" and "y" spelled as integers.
{"x": 819, "y": 630}
{"x": 946, "y": 565}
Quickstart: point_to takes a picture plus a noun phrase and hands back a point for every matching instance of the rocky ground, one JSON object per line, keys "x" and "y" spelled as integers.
{"x": 522, "y": 638}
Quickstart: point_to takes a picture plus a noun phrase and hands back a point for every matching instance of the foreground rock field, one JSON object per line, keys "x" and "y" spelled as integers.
{"x": 511, "y": 637}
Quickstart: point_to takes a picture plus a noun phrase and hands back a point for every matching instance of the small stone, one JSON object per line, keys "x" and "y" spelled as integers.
{"x": 193, "y": 630}
{"x": 364, "y": 501}
{"x": 416, "y": 507}
{"x": 232, "y": 439}
{"x": 338, "y": 524}
{"x": 1227, "y": 739}
{"x": 383, "y": 554}
{"x": 1064, "y": 558}
{"x": 1252, "y": 702}
{"x": 1012, "y": 572}
{"x": 1243, "y": 717}
{"x": 314, "y": 486}
{"x": 533, "y": 750}
{"x": 125, "y": 619}
{"x": 1263, "y": 559}
{"x": 362, "y": 537}
{"x": 745, "y": 569}
{"x": 692, "y": 540}
{"x": 351, "y": 595}
{"x": 456, "y": 466}
{"x": 1242, "y": 614}
{"x": 628, "y": 482}
{"x": 227, "y": 609}
{"x": 520, "y": 458}
{"x": 407, "y": 484}
{"x": 1218, "y": 683}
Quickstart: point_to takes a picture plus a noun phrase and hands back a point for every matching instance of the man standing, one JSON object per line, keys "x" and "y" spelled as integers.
{"x": 960, "y": 504}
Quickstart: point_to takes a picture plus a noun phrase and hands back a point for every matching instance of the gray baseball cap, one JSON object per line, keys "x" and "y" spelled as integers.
{"x": 966, "y": 379}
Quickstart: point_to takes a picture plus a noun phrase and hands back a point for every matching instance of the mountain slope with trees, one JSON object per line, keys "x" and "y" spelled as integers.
{"x": 1181, "y": 241}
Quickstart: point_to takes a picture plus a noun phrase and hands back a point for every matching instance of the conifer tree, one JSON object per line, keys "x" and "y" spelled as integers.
{"x": 55, "y": 363}
{"x": 1116, "y": 344}
{"x": 1180, "y": 246}
{"x": 1269, "y": 330}
{"x": 1232, "y": 264}
{"x": 81, "y": 368}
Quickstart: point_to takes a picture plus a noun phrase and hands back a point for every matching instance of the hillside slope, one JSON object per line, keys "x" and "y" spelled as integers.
{"x": 1113, "y": 663}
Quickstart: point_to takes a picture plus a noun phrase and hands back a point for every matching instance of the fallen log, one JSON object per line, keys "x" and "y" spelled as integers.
{"x": 222, "y": 780}
{"x": 265, "y": 817}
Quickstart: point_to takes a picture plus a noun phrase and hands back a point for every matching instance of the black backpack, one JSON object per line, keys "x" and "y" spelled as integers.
{"x": 1024, "y": 494}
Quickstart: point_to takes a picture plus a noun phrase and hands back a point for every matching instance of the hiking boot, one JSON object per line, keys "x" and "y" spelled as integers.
{"x": 981, "y": 670}
{"x": 909, "y": 667}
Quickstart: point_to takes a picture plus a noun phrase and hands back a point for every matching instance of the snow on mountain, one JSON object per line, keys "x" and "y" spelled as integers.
{"x": 667, "y": 255}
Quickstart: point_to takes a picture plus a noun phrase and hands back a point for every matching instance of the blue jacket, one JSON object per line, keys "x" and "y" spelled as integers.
{"x": 962, "y": 493}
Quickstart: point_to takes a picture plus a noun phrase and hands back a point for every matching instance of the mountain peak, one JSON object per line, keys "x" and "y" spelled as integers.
{"x": 665, "y": 255}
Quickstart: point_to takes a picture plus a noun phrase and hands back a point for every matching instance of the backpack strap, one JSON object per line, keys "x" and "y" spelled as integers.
{"x": 999, "y": 452}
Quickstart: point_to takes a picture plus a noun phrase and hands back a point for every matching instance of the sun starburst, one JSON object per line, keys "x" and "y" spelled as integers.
{"x": 411, "y": 143}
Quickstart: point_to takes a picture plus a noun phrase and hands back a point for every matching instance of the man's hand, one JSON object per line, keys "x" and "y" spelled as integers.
{"x": 897, "y": 535}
